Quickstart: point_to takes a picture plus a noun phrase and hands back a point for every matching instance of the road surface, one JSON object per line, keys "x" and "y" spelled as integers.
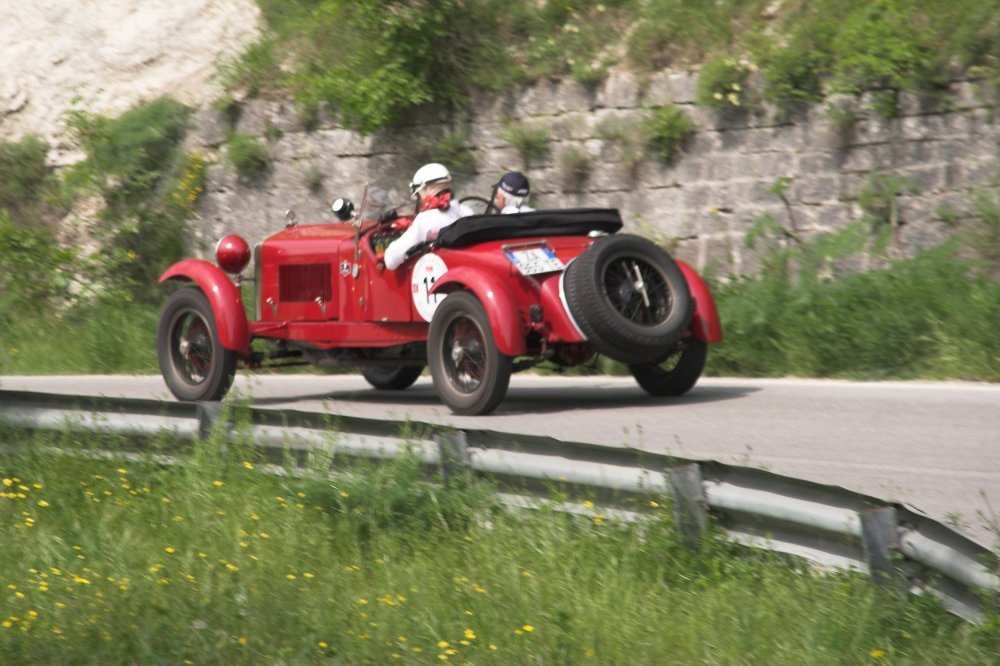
{"x": 934, "y": 446}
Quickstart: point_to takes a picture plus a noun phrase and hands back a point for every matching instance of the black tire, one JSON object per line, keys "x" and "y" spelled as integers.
{"x": 470, "y": 374}
{"x": 629, "y": 298}
{"x": 392, "y": 379}
{"x": 193, "y": 362}
{"x": 676, "y": 373}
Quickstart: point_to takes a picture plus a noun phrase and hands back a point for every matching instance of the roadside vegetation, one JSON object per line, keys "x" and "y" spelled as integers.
{"x": 128, "y": 559}
{"x": 389, "y": 57}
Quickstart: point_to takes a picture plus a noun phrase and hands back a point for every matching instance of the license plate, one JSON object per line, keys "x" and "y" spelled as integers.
{"x": 535, "y": 260}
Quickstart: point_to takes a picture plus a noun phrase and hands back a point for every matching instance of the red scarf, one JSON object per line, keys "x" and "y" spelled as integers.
{"x": 441, "y": 201}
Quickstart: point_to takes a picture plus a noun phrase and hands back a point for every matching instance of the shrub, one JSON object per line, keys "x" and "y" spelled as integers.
{"x": 882, "y": 45}
{"x": 24, "y": 175}
{"x": 36, "y": 271}
{"x": 453, "y": 149}
{"x": 150, "y": 186}
{"x": 670, "y": 31}
{"x": 879, "y": 197}
{"x": 667, "y": 129}
{"x": 247, "y": 156}
{"x": 531, "y": 141}
{"x": 722, "y": 83}
{"x": 575, "y": 166}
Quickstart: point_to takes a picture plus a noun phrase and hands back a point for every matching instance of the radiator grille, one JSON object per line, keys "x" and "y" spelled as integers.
{"x": 301, "y": 283}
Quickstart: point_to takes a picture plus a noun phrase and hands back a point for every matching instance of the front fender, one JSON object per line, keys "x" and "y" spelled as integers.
{"x": 222, "y": 295}
{"x": 705, "y": 323}
{"x": 496, "y": 299}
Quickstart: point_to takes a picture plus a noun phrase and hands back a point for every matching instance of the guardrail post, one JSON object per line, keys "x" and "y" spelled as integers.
{"x": 690, "y": 512}
{"x": 454, "y": 453}
{"x": 209, "y": 414}
{"x": 880, "y": 531}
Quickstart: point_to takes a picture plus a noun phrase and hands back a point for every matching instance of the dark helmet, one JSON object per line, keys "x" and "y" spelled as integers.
{"x": 514, "y": 183}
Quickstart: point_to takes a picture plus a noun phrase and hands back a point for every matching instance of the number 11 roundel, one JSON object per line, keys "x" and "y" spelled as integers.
{"x": 428, "y": 269}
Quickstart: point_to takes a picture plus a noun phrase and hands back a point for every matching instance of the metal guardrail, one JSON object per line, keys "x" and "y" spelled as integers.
{"x": 827, "y": 525}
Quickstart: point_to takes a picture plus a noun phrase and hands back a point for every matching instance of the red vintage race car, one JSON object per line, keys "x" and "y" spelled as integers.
{"x": 492, "y": 295}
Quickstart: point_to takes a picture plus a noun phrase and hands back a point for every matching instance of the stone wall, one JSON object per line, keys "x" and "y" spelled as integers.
{"x": 706, "y": 200}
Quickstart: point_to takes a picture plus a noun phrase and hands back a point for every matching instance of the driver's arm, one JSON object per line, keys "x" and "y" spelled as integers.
{"x": 395, "y": 253}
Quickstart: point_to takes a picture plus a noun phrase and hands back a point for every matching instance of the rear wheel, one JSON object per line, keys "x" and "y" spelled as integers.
{"x": 629, "y": 298}
{"x": 392, "y": 379}
{"x": 193, "y": 362}
{"x": 677, "y": 372}
{"x": 470, "y": 374}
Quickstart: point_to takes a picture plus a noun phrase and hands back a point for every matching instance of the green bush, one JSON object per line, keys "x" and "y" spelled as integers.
{"x": 247, "y": 155}
{"x": 530, "y": 140}
{"x": 453, "y": 149}
{"x": 883, "y": 45}
{"x": 722, "y": 83}
{"x": 672, "y": 31}
{"x": 25, "y": 177}
{"x": 927, "y": 317}
{"x": 149, "y": 185}
{"x": 575, "y": 166}
{"x": 36, "y": 273}
{"x": 666, "y": 130}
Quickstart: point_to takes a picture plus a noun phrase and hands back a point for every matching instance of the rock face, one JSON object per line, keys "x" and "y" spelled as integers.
{"x": 105, "y": 56}
{"x": 936, "y": 153}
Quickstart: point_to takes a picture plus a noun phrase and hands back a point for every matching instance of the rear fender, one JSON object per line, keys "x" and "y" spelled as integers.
{"x": 497, "y": 300}
{"x": 705, "y": 323}
{"x": 222, "y": 295}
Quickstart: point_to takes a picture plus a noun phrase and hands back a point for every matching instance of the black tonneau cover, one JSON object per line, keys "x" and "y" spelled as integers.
{"x": 562, "y": 222}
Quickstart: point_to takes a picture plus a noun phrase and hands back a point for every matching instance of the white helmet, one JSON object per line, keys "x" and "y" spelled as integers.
{"x": 426, "y": 175}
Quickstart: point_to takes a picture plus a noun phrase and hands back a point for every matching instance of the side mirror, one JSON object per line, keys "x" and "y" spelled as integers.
{"x": 289, "y": 218}
{"x": 343, "y": 209}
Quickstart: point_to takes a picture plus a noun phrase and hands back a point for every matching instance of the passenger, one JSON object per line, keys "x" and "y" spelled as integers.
{"x": 511, "y": 193}
{"x": 431, "y": 186}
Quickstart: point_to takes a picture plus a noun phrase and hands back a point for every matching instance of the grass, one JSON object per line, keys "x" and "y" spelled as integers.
{"x": 929, "y": 317}
{"x": 109, "y": 338}
{"x": 213, "y": 561}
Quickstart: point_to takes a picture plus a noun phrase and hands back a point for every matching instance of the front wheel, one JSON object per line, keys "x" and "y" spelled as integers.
{"x": 470, "y": 374}
{"x": 193, "y": 362}
{"x": 676, "y": 373}
{"x": 392, "y": 379}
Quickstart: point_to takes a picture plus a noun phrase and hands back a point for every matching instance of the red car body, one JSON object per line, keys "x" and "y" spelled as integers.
{"x": 323, "y": 296}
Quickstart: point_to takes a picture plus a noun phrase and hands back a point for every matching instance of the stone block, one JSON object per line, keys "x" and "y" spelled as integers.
{"x": 666, "y": 87}
{"x": 928, "y": 178}
{"x": 620, "y": 91}
{"x": 808, "y": 164}
{"x": 211, "y": 127}
{"x": 867, "y": 158}
{"x": 814, "y": 189}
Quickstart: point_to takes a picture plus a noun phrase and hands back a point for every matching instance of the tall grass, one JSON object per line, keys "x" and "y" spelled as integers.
{"x": 213, "y": 561}
{"x": 933, "y": 316}
{"x": 97, "y": 338}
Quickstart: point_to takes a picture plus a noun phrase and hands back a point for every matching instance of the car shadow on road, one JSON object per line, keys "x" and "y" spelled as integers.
{"x": 528, "y": 400}
{"x": 547, "y": 400}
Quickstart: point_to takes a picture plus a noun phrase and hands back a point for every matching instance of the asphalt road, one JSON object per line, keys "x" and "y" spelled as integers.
{"x": 934, "y": 446}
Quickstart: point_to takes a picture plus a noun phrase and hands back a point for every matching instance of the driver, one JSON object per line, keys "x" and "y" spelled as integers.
{"x": 431, "y": 186}
{"x": 511, "y": 193}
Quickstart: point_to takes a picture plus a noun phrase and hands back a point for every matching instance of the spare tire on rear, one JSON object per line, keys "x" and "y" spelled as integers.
{"x": 628, "y": 296}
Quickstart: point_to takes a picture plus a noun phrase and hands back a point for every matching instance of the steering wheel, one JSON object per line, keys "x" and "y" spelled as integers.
{"x": 489, "y": 206}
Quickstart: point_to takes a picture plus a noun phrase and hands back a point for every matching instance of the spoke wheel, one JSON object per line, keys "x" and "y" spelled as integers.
{"x": 629, "y": 298}
{"x": 194, "y": 364}
{"x": 470, "y": 374}
{"x": 677, "y": 372}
